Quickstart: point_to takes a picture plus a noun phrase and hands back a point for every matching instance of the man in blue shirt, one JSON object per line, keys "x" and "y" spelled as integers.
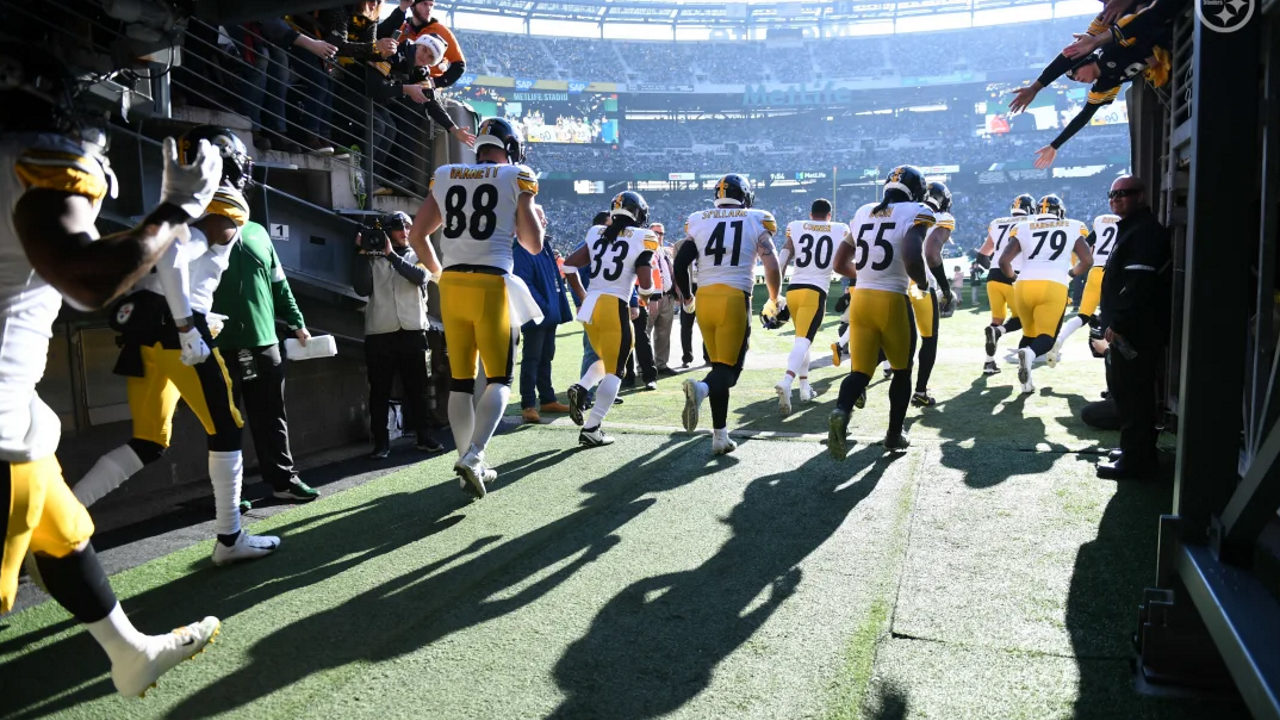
{"x": 541, "y": 273}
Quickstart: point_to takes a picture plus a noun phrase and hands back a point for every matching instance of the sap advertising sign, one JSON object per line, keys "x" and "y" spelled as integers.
{"x": 827, "y": 94}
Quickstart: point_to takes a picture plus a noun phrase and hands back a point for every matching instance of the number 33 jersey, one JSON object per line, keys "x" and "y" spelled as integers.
{"x": 814, "y": 243}
{"x": 478, "y": 211}
{"x": 613, "y": 264}
{"x": 1045, "y": 246}
{"x": 727, "y": 239}
{"x": 877, "y": 238}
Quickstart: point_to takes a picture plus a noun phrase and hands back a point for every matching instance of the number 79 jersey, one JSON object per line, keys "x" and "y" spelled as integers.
{"x": 877, "y": 238}
{"x": 726, "y": 239}
{"x": 1046, "y": 244}
{"x": 815, "y": 247}
{"x": 613, "y": 264}
{"x": 478, "y": 208}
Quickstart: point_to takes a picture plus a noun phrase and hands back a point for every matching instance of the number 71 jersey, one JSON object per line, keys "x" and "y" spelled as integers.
{"x": 726, "y": 239}
{"x": 478, "y": 208}
{"x": 877, "y": 238}
{"x": 1045, "y": 246}
{"x": 815, "y": 244}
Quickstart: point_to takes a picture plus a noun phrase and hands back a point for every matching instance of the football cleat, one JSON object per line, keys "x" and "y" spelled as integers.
{"x": 923, "y": 399}
{"x": 721, "y": 443}
{"x": 861, "y": 402}
{"x": 577, "y": 403}
{"x": 990, "y": 368}
{"x": 897, "y": 443}
{"x": 471, "y": 469}
{"x": 784, "y": 398}
{"x": 835, "y": 354}
{"x": 1025, "y": 357}
{"x": 246, "y": 547}
{"x": 837, "y": 434}
{"x": 594, "y": 437}
{"x": 807, "y": 393}
{"x": 886, "y": 370}
{"x": 133, "y": 677}
{"x": 991, "y": 336}
{"x": 692, "y": 404}
{"x": 1053, "y": 357}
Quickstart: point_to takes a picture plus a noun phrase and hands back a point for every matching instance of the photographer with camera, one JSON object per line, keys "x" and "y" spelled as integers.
{"x": 395, "y": 325}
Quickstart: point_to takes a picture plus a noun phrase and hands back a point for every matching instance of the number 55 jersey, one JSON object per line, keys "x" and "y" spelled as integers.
{"x": 1046, "y": 244}
{"x": 478, "y": 210}
{"x": 877, "y": 240}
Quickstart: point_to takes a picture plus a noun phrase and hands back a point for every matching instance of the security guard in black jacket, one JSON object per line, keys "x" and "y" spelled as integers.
{"x": 1135, "y": 313}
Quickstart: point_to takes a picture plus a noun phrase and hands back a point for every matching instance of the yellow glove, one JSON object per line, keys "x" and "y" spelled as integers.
{"x": 770, "y": 309}
{"x": 691, "y": 305}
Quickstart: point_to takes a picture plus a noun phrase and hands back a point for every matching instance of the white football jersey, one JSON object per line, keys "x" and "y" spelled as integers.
{"x": 815, "y": 243}
{"x": 1105, "y": 229}
{"x": 204, "y": 266}
{"x": 999, "y": 231}
{"x": 727, "y": 239}
{"x": 478, "y": 208}
{"x": 613, "y": 264}
{"x": 29, "y": 429}
{"x": 877, "y": 240}
{"x": 1046, "y": 246}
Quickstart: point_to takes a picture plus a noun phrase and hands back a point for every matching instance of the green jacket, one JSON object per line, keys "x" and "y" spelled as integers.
{"x": 253, "y": 292}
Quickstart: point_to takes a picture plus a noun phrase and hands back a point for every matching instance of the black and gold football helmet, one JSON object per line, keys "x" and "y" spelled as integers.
{"x": 1024, "y": 204}
{"x": 938, "y": 197}
{"x": 734, "y": 189}
{"x": 237, "y": 165}
{"x": 1052, "y": 205}
{"x": 498, "y": 132}
{"x": 907, "y": 179}
{"x": 631, "y": 205}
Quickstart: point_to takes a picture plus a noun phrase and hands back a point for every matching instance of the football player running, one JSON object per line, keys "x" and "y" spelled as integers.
{"x": 57, "y": 178}
{"x": 168, "y": 352}
{"x": 1000, "y": 285}
{"x": 1044, "y": 243}
{"x": 481, "y": 207}
{"x": 886, "y": 245}
{"x": 725, "y": 243}
{"x": 812, "y": 243}
{"x": 1102, "y": 240}
{"x": 925, "y": 303}
{"x": 617, "y": 257}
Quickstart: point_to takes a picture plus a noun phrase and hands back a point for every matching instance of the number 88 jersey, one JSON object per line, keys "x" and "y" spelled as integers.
{"x": 1045, "y": 243}
{"x": 478, "y": 211}
{"x": 815, "y": 245}
{"x": 877, "y": 238}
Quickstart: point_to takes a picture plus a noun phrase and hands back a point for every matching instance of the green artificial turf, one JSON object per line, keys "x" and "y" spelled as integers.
{"x": 985, "y": 573}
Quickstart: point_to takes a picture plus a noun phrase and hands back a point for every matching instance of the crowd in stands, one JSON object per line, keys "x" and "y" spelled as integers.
{"x": 1020, "y": 45}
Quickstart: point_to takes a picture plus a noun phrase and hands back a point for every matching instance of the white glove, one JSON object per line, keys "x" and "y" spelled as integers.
{"x": 190, "y": 187}
{"x": 691, "y": 305}
{"x": 782, "y": 303}
{"x": 194, "y": 350}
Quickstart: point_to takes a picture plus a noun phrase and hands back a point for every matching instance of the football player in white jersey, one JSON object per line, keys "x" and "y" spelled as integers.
{"x": 812, "y": 243}
{"x": 56, "y": 178}
{"x": 886, "y": 247}
{"x": 617, "y": 256}
{"x": 166, "y": 355}
{"x": 999, "y": 285}
{"x": 725, "y": 244}
{"x": 925, "y": 303}
{"x": 483, "y": 208}
{"x": 1102, "y": 240}
{"x": 1044, "y": 243}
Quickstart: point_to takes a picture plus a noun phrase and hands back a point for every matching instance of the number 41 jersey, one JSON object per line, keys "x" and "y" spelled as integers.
{"x": 478, "y": 208}
{"x": 815, "y": 243}
{"x": 879, "y": 255}
{"x": 1046, "y": 245}
{"x": 726, "y": 239}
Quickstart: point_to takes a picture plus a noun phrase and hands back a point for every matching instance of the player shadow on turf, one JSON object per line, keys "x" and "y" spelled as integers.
{"x": 316, "y": 549}
{"x": 657, "y": 643}
{"x": 429, "y": 603}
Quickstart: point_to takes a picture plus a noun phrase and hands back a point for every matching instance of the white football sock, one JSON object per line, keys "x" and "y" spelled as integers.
{"x": 605, "y": 394}
{"x": 804, "y": 382}
{"x": 594, "y": 375}
{"x": 493, "y": 403}
{"x": 462, "y": 419}
{"x": 226, "y": 474}
{"x": 796, "y": 361}
{"x": 1068, "y": 327}
{"x": 106, "y": 475}
{"x": 117, "y": 636}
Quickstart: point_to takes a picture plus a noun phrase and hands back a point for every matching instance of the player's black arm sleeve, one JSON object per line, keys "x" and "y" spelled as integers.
{"x": 451, "y": 75}
{"x": 1081, "y": 119}
{"x": 685, "y": 258}
{"x": 939, "y": 273}
{"x": 1092, "y": 239}
{"x": 437, "y": 112}
{"x": 1055, "y": 70}
{"x": 984, "y": 261}
{"x": 1149, "y": 23}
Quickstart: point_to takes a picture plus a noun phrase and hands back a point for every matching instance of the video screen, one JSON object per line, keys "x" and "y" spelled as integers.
{"x": 552, "y": 116}
{"x": 1053, "y": 108}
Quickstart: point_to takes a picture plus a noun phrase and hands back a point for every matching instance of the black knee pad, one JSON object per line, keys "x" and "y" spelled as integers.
{"x": 147, "y": 451}
{"x": 466, "y": 385}
{"x": 225, "y": 441}
{"x": 501, "y": 380}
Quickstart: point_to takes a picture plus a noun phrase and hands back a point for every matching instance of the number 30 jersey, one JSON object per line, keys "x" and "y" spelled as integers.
{"x": 1046, "y": 244}
{"x": 727, "y": 239}
{"x": 877, "y": 238}
{"x": 478, "y": 209}
{"x": 1105, "y": 229}
{"x": 815, "y": 245}
{"x": 613, "y": 264}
